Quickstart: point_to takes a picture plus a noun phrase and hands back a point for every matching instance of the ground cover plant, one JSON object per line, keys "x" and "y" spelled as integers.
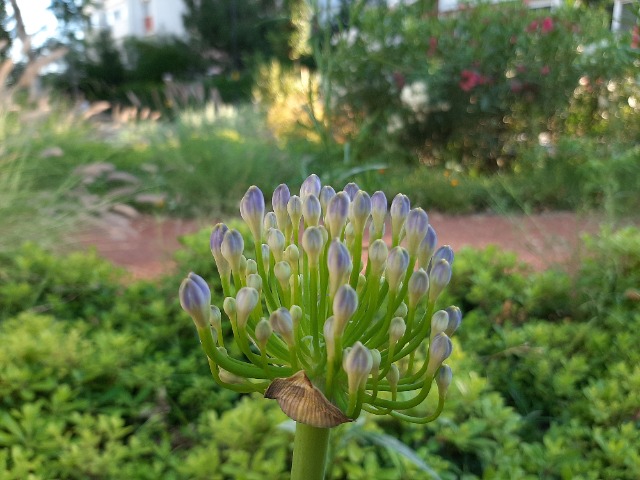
{"x": 101, "y": 378}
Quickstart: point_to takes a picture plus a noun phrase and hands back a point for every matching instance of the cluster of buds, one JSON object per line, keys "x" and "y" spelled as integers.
{"x": 321, "y": 326}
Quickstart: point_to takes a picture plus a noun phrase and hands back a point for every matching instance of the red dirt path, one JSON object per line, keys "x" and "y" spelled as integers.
{"x": 145, "y": 245}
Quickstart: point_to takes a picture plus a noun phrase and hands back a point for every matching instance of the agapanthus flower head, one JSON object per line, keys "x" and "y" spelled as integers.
{"x": 312, "y": 313}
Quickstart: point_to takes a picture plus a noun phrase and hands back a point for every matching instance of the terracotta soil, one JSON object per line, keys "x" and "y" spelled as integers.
{"x": 145, "y": 245}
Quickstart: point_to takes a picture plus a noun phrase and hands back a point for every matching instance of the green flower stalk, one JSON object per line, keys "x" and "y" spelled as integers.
{"x": 332, "y": 318}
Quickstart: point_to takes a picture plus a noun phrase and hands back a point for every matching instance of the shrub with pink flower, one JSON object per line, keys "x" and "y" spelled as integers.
{"x": 547, "y": 25}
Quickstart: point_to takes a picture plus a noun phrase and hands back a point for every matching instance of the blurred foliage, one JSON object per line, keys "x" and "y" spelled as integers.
{"x": 105, "y": 380}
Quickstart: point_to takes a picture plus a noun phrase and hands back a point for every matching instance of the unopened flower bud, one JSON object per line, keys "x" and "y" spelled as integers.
{"x": 270, "y": 221}
{"x": 439, "y": 350}
{"x": 345, "y": 304}
{"x": 337, "y": 212}
{"x": 377, "y": 360}
{"x": 292, "y": 255}
{"x": 397, "y": 329}
{"x": 360, "y": 210}
{"x": 325, "y": 234}
{"x": 445, "y": 252}
{"x": 195, "y": 299}
{"x": 280, "y": 202}
{"x": 401, "y": 311}
{"x": 255, "y": 281}
{"x": 282, "y": 324}
{"x": 263, "y": 333}
{"x": 352, "y": 190}
{"x": 252, "y": 266}
{"x": 397, "y": 264}
{"x": 232, "y": 248}
{"x": 378, "y": 253}
{"x": 416, "y": 228}
{"x": 266, "y": 251}
{"x": 312, "y": 243}
{"x": 229, "y": 307}
{"x": 358, "y": 365}
{"x": 427, "y": 247}
{"x": 339, "y": 263}
{"x": 399, "y": 211}
{"x": 215, "y": 320}
{"x": 443, "y": 379}
{"x": 282, "y": 271}
{"x": 228, "y": 377}
{"x": 349, "y": 234}
{"x": 455, "y": 319}
{"x": 362, "y": 282}
{"x": 311, "y": 186}
{"x": 242, "y": 268}
{"x": 393, "y": 376}
{"x": 252, "y": 211}
{"x": 378, "y": 212}
{"x": 296, "y": 315}
{"x": 439, "y": 323}
{"x": 326, "y": 194}
{"x": 438, "y": 279}
{"x": 276, "y": 242}
{"x": 418, "y": 287}
{"x": 217, "y": 236}
{"x": 311, "y": 210}
{"x": 295, "y": 210}
{"x": 247, "y": 299}
{"x": 329, "y": 337}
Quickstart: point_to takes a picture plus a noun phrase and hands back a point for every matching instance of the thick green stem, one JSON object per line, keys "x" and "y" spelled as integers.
{"x": 309, "y": 452}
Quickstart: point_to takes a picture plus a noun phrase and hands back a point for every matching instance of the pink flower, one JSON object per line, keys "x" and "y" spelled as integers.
{"x": 469, "y": 79}
{"x": 433, "y": 46}
{"x": 533, "y": 26}
{"x": 547, "y": 25}
{"x": 635, "y": 37}
{"x": 521, "y": 68}
{"x": 545, "y": 70}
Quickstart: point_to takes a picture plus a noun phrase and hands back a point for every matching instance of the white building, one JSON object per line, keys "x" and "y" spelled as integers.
{"x": 139, "y": 18}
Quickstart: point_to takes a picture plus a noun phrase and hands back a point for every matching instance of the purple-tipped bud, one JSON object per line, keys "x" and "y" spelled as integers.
{"x": 418, "y": 287}
{"x": 337, "y": 212}
{"x": 397, "y": 264}
{"x": 266, "y": 251}
{"x": 326, "y": 194}
{"x": 195, "y": 299}
{"x": 439, "y": 350}
{"x": 329, "y": 337}
{"x": 282, "y": 324}
{"x": 345, "y": 304}
{"x": 416, "y": 228}
{"x": 232, "y": 248}
{"x": 399, "y": 211}
{"x": 378, "y": 212}
{"x": 455, "y": 319}
{"x": 276, "y": 242}
{"x": 279, "y": 202}
{"x": 360, "y": 210}
{"x": 263, "y": 333}
{"x": 444, "y": 253}
{"x": 247, "y": 299}
{"x": 311, "y": 210}
{"x": 397, "y": 329}
{"x": 439, "y": 323}
{"x": 358, "y": 364}
{"x": 311, "y": 186}
{"x": 252, "y": 211}
{"x": 340, "y": 265}
{"x": 351, "y": 189}
{"x": 282, "y": 271}
{"x": 438, "y": 279}
{"x": 229, "y": 307}
{"x": 312, "y": 243}
{"x": 217, "y": 236}
{"x": 443, "y": 379}
{"x": 270, "y": 221}
{"x": 294, "y": 207}
{"x": 378, "y": 253}
{"x": 427, "y": 247}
